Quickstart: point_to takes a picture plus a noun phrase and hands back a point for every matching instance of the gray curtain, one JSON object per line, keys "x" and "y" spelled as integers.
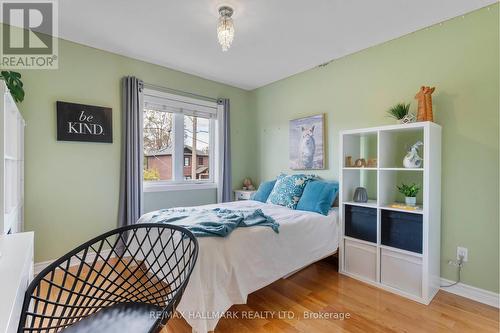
{"x": 130, "y": 208}
{"x": 227, "y": 186}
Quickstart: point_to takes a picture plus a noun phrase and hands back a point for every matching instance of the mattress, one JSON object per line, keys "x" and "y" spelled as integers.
{"x": 228, "y": 269}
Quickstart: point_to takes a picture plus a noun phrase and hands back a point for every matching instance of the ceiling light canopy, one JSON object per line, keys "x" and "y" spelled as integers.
{"x": 225, "y": 27}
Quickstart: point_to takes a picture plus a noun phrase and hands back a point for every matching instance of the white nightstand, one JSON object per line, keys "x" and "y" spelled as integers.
{"x": 243, "y": 194}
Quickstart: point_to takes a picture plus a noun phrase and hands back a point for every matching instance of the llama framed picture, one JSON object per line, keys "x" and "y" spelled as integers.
{"x": 307, "y": 143}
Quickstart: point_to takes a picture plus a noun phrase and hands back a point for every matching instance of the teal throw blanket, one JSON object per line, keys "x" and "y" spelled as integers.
{"x": 216, "y": 222}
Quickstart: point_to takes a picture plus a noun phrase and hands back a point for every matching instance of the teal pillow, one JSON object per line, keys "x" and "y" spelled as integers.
{"x": 288, "y": 190}
{"x": 264, "y": 190}
{"x": 318, "y": 196}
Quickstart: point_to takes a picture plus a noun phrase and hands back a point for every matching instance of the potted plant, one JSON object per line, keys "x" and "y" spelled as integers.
{"x": 410, "y": 192}
{"x": 401, "y": 112}
{"x": 14, "y": 83}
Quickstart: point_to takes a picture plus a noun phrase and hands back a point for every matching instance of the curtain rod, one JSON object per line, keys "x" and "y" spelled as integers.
{"x": 180, "y": 92}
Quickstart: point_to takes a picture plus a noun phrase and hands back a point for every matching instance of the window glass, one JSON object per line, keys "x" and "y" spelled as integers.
{"x": 197, "y": 147}
{"x": 158, "y": 143}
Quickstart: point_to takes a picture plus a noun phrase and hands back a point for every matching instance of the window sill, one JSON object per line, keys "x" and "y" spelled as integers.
{"x": 166, "y": 187}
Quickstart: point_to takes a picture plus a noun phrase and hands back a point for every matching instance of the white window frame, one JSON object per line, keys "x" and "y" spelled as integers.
{"x": 194, "y": 106}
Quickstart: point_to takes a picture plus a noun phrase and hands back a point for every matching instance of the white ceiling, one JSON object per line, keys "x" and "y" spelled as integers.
{"x": 273, "y": 40}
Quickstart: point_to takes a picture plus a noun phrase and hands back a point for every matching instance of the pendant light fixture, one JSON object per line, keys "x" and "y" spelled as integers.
{"x": 225, "y": 27}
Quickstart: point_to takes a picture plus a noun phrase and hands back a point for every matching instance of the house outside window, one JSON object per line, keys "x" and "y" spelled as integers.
{"x": 178, "y": 131}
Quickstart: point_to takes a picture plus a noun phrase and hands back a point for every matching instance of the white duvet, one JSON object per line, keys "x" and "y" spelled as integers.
{"x": 228, "y": 269}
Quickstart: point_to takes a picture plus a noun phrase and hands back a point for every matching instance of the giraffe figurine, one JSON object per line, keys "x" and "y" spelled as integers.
{"x": 424, "y": 98}
{"x": 428, "y": 104}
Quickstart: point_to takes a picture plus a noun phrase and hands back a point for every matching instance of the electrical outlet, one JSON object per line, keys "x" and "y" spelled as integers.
{"x": 462, "y": 252}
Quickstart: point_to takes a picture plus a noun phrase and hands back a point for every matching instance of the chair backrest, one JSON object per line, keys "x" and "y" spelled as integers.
{"x": 143, "y": 263}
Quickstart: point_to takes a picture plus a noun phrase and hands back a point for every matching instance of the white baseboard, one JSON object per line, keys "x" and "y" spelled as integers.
{"x": 474, "y": 293}
{"x": 40, "y": 266}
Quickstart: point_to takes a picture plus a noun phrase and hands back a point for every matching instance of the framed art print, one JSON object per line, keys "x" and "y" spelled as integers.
{"x": 306, "y": 142}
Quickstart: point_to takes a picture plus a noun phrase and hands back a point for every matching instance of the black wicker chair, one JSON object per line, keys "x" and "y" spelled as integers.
{"x": 127, "y": 280}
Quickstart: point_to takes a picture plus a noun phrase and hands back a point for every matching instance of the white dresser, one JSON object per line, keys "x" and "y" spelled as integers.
{"x": 16, "y": 272}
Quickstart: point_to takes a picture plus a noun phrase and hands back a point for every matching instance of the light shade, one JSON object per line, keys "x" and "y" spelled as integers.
{"x": 225, "y": 28}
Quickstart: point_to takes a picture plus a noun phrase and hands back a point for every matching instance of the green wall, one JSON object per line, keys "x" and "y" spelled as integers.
{"x": 71, "y": 190}
{"x": 459, "y": 57}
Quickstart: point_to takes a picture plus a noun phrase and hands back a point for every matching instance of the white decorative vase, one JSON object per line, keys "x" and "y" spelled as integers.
{"x": 411, "y": 201}
{"x": 412, "y": 159}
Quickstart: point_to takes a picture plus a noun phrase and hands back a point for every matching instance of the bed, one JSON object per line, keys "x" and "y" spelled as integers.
{"x": 228, "y": 269}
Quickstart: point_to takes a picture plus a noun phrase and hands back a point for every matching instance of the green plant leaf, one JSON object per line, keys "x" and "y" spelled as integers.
{"x": 409, "y": 190}
{"x": 399, "y": 111}
{"x": 15, "y": 85}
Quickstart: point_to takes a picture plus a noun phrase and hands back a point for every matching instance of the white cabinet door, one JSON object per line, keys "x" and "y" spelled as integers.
{"x": 401, "y": 271}
{"x": 361, "y": 259}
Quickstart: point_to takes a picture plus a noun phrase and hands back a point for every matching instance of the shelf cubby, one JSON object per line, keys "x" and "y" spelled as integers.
{"x": 354, "y": 178}
{"x": 361, "y": 223}
{"x": 360, "y": 146}
{"x": 361, "y": 258}
{"x": 394, "y": 145}
{"x": 401, "y": 271}
{"x": 389, "y": 180}
{"x": 401, "y": 230}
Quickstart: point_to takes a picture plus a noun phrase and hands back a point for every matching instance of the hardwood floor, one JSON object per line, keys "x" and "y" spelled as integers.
{"x": 319, "y": 289}
{"x": 353, "y": 307}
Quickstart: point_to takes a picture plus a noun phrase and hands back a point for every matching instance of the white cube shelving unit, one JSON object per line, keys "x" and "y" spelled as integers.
{"x": 377, "y": 248}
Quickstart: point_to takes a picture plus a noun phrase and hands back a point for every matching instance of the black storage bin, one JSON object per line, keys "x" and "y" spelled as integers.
{"x": 402, "y": 230}
{"x": 361, "y": 223}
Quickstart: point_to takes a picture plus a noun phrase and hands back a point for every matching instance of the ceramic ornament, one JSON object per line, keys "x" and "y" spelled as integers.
{"x": 360, "y": 195}
{"x": 408, "y": 119}
{"x": 412, "y": 160}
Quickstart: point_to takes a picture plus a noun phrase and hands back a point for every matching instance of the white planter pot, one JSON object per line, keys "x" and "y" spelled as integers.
{"x": 411, "y": 201}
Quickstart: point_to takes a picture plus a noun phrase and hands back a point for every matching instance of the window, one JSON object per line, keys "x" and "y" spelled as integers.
{"x": 179, "y": 141}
